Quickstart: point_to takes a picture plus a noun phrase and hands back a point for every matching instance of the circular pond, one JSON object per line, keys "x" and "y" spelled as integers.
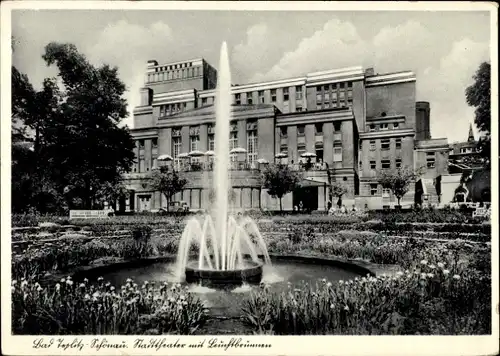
{"x": 226, "y": 301}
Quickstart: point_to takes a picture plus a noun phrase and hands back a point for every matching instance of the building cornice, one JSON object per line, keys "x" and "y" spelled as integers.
{"x": 386, "y": 134}
{"x": 386, "y": 119}
{"x": 195, "y": 62}
{"x": 143, "y": 110}
{"x": 174, "y": 97}
{"x": 391, "y": 78}
{"x": 336, "y": 75}
{"x": 144, "y": 132}
{"x": 309, "y": 117}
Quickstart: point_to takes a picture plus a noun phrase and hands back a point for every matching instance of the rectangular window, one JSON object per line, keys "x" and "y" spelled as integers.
{"x": 398, "y": 162}
{"x": 283, "y": 131}
{"x": 273, "y": 95}
{"x": 431, "y": 159}
{"x": 395, "y": 125}
{"x": 261, "y": 96}
{"x": 337, "y": 154}
{"x": 373, "y": 189}
{"x": 371, "y": 127}
{"x": 319, "y": 129}
{"x": 398, "y": 143}
{"x": 298, "y": 92}
{"x": 249, "y": 98}
{"x": 301, "y": 130}
{"x": 298, "y": 108}
{"x": 252, "y": 146}
{"x": 373, "y": 145}
{"x": 141, "y": 143}
{"x": 286, "y": 95}
{"x": 386, "y": 164}
{"x": 154, "y": 142}
{"x": 211, "y": 142}
{"x": 349, "y": 84}
{"x": 342, "y": 85}
{"x": 386, "y": 193}
{"x": 384, "y": 127}
{"x": 203, "y": 101}
{"x": 385, "y": 144}
{"x": 373, "y": 165}
{"x": 237, "y": 99}
{"x": 194, "y": 141}
{"x": 336, "y": 126}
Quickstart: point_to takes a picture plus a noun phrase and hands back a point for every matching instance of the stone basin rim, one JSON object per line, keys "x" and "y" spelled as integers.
{"x": 190, "y": 267}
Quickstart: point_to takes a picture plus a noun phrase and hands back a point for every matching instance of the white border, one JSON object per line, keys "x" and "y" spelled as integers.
{"x": 289, "y": 345}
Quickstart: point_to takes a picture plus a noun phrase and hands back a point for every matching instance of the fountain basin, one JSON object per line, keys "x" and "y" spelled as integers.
{"x": 251, "y": 273}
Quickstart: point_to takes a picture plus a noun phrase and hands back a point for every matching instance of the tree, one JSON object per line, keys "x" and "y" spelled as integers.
{"x": 478, "y": 96}
{"x": 279, "y": 180}
{"x": 398, "y": 181}
{"x": 338, "y": 189}
{"x": 167, "y": 182}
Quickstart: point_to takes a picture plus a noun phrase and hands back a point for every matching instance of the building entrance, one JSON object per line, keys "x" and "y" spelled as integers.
{"x": 308, "y": 196}
{"x": 144, "y": 203}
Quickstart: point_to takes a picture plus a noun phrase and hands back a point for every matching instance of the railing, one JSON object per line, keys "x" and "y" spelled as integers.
{"x": 245, "y": 166}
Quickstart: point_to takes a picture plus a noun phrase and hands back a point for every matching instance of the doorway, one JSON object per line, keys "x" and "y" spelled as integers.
{"x": 144, "y": 202}
{"x": 308, "y": 196}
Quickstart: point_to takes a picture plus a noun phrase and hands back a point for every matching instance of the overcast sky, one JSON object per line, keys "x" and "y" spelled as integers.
{"x": 443, "y": 48}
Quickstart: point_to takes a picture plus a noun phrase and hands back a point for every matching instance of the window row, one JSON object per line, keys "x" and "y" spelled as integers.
{"x": 261, "y": 97}
{"x": 301, "y": 129}
{"x": 384, "y": 164}
{"x": 174, "y": 74}
{"x": 334, "y": 96}
{"x": 171, "y": 109}
{"x": 383, "y": 127}
{"x": 385, "y": 144}
{"x": 374, "y": 190}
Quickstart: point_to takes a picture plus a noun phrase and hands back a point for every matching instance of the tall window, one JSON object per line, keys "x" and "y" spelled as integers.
{"x": 385, "y": 144}
{"x": 301, "y": 130}
{"x": 273, "y": 95}
{"x": 233, "y": 143}
{"x": 237, "y": 99}
{"x": 373, "y": 189}
{"x": 286, "y": 96}
{"x": 252, "y": 146}
{"x": 337, "y": 154}
{"x": 326, "y": 89}
{"x": 203, "y": 101}
{"x": 176, "y": 150}
{"x": 261, "y": 96}
{"x": 373, "y": 165}
{"x": 398, "y": 162}
{"x": 298, "y": 92}
{"x": 141, "y": 144}
{"x": 373, "y": 145}
{"x": 386, "y": 164}
{"x": 211, "y": 142}
{"x": 249, "y": 98}
{"x": 398, "y": 143}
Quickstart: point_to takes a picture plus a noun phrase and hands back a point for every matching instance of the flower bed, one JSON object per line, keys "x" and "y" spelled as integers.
{"x": 429, "y": 299}
{"x": 75, "y": 308}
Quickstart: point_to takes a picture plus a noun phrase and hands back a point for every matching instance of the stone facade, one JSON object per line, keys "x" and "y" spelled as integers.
{"x": 355, "y": 121}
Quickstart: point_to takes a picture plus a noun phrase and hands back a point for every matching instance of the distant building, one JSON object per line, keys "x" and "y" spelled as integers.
{"x": 465, "y": 156}
{"x": 356, "y": 122}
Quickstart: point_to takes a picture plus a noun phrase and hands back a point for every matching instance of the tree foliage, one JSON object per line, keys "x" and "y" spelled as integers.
{"x": 74, "y": 128}
{"x": 398, "y": 181}
{"x": 167, "y": 182}
{"x": 279, "y": 180}
{"x": 337, "y": 189}
{"x": 478, "y": 95}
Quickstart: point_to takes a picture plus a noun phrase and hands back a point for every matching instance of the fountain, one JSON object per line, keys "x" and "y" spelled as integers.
{"x": 223, "y": 242}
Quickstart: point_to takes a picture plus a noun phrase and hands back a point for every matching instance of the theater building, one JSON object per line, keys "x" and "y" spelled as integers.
{"x": 354, "y": 121}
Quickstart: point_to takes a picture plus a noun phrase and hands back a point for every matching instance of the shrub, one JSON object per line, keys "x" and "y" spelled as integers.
{"x": 70, "y": 308}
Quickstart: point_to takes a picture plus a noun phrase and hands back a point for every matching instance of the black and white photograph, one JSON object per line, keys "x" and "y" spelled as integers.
{"x": 355, "y": 195}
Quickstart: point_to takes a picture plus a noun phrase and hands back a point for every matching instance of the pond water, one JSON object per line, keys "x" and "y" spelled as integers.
{"x": 226, "y": 302}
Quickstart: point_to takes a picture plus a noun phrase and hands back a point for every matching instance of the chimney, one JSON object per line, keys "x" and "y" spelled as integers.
{"x": 152, "y": 63}
{"x": 369, "y": 72}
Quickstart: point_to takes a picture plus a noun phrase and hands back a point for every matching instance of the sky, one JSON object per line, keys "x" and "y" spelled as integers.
{"x": 444, "y": 49}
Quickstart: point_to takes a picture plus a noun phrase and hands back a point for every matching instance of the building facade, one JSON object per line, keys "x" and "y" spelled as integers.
{"x": 354, "y": 121}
